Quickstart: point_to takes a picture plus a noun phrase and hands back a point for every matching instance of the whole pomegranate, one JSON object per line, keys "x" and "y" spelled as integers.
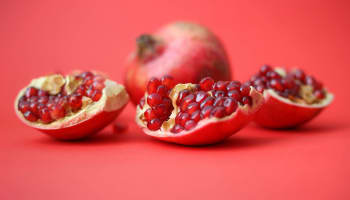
{"x": 186, "y": 51}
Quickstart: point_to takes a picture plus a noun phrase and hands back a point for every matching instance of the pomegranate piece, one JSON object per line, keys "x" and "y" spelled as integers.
{"x": 186, "y": 51}
{"x": 70, "y": 107}
{"x": 292, "y": 98}
{"x": 197, "y": 115}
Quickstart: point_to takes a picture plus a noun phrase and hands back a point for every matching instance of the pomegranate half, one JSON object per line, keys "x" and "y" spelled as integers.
{"x": 70, "y": 107}
{"x": 186, "y": 51}
{"x": 196, "y": 114}
{"x": 292, "y": 98}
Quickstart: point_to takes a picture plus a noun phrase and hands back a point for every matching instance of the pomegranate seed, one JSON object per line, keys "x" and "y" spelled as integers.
{"x": 75, "y": 102}
{"x": 57, "y": 112}
{"x": 245, "y": 90}
{"x": 219, "y": 93}
{"x": 43, "y": 99}
{"x": 154, "y": 99}
{"x": 233, "y": 85}
{"x": 234, "y": 94}
{"x": 190, "y": 124}
{"x": 86, "y": 75}
{"x": 142, "y": 102}
{"x": 168, "y": 81}
{"x": 42, "y": 93}
{"x": 192, "y": 107}
{"x": 182, "y": 94}
{"x": 206, "y": 111}
{"x": 34, "y": 108}
{"x": 181, "y": 118}
{"x": 89, "y": 92}
{"x": 177, "y": 128}
{"x": 196, "y": 116}
{"x": 200, "y": 96}
{"x": 207, "y": 102}
{"x": 161, "y": 111}
{"x": 206, "y": 83}
{"x": 23, "y": 106}
{"x": 45, "y": 115}
{"x": 264, "y": 69}
{"x": 88, "y": 82}
{"x": 273, "y": 75}
{"x": 186, "y": 101}
{"x": 247, "y": 100}
{"x": 167, "y": 102}
{"x": 31, "y": 92}
{"x": 98, "y": 85}
{"x": 276, "y": 84}
{"x": 153, "y": 85}
{"x": 162, "y": 90}
{"x": 96, "y": 95}
{"x": 259, "y": 88}
{"x": 34, "y": 99}
{"x": 218, "y": 112}
{"x": 230, "y": 105}
{"x": 319, "y": 94}
{"x": 30, "y": 116}
{"x": 259, "y": 82}
{"x": 80, "y": 90}
{"x": 299, "y": 75}
{"x": 219, "y": 101}
{"x": 149, "y": 114}
{"x": 221, "y": 85}
{"x": 288, "y": 83}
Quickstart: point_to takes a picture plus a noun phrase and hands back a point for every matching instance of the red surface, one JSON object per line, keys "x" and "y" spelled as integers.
{"x": 39, "y": 37}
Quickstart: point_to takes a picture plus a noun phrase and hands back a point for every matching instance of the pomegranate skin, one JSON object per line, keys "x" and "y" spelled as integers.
{"x": 278, "y": 112}
{"x": 186, "y": 51}
{"x": 210, "y": 133}
{"x": 83, "y": 129}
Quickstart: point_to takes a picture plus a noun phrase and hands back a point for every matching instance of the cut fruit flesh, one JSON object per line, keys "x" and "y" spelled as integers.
{"x": 74, "y": 123}
{"x": 291, "y": 99}
{"x": 187, "y": 129}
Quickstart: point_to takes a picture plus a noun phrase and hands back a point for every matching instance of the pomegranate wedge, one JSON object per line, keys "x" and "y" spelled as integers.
{"x": 292, "y": 98}
{"x": 196, "y": 114}
{"x": 70, "y": 107}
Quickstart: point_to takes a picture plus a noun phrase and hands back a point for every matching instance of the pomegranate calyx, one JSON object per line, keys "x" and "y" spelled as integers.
{"x": 147, "y": 47}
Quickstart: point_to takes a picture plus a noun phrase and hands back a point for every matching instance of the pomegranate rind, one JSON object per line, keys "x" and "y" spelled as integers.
{"x": 87, "y": 121}
{"x": 210, "y": 130}
{"x": 278, "y": 112}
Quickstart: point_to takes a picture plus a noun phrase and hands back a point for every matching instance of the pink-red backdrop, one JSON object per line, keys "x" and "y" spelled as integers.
{"x": 38, "y": 37}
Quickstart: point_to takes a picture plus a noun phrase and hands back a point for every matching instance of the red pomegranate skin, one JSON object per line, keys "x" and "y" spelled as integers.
{"x": 279, "y": 115}
{"x": 186, "y": 51}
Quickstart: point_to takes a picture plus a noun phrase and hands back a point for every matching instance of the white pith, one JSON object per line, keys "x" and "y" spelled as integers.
{"x": 114, "y": 96}
{"x": 164, "y": 131}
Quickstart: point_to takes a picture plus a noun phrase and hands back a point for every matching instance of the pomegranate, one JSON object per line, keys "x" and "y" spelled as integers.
{"x": 196, "y": 114}
{"x": 292, "y": 98}
{"x": 70, "y": 107}
{"x": 186, "y": 51}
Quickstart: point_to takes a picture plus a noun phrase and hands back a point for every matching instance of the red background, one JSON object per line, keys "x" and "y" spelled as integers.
{"x": 38, "y": 37}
